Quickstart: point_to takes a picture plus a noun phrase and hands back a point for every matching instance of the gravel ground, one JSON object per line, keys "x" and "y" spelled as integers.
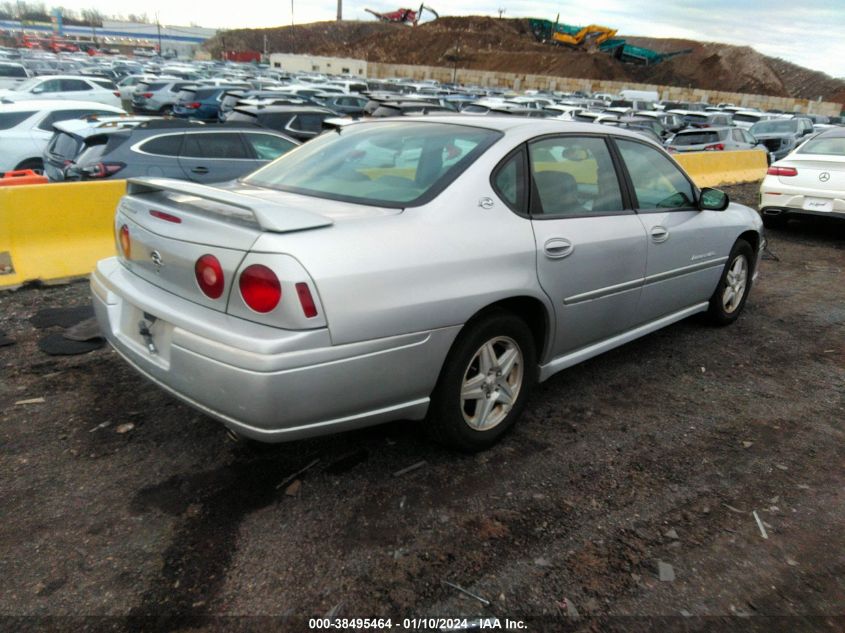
{"x": 653, "y": 456}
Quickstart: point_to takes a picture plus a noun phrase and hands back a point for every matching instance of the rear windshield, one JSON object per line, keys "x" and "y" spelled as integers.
{"x": 697, "y": 117}
{"x": 775, "y": 127}
{"x": 696, "y": 138}
{"x": 64, "y": 146}
{"x": 391, "y": 164}
{"x": 831, "y": 146}
{"x": 746, "y": 118}
{"x": 149, "y": 86}
{"x": 12, "y": 71}
{"x": 9, "y": 120}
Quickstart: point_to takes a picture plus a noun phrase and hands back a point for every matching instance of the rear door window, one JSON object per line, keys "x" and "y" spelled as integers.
{"x": 573, "y": 176}
{"x": 75, "y": 85}
{"x": 167, "y": 145}
{"x": 657, "y": 181}
{"x": 214, "y": 145}
{"x": 8, "y": 120}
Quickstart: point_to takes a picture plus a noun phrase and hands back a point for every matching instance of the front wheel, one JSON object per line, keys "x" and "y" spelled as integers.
{"x": 484, "y": 383}
{"x": 729, "y": 298}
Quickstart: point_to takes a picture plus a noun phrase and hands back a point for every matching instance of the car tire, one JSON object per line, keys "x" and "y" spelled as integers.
{"x": 484, "y": 383}
{"x": 166, "y": 111}
{"x": 35, "y": 164}
{"x": 730, "y": 295}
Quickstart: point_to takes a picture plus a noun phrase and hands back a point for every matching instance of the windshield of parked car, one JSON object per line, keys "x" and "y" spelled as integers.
{"x": 774, "y": 127}
{"x": 392, "y": 164}
{"x": 829, "y": 146}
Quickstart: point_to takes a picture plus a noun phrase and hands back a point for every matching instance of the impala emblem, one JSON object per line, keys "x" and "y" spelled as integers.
{"x": 157, "y": 260}
{"x": 824, "y": 176}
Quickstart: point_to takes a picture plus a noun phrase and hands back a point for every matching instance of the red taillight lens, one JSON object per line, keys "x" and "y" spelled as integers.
{"x": 209, "y": 275}
{"x": 260, "y": 288}
{"x": 116, "y": 93}
{"x": 147, "y": 95}
{"x": 167, "y": 217}
{"x": 782, "y": 171}
{"x": 193, "y": 105}
{"x": 715, "y": 146}
{"x": 102, "y": 170}
{"x": 307, "y": 301}
{"x": 125, "y": 243}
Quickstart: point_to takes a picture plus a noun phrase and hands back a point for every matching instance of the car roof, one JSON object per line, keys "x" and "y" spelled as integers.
{"x": 283, "y": 108}
{"x": 40, "y": 105}
{"x": 712, "y": 128}
{"x": 68, "y": 77}
{"x": 834, "y": 132}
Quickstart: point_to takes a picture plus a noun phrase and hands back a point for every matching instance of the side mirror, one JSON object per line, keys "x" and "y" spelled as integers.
{"x": 713, "y": 200}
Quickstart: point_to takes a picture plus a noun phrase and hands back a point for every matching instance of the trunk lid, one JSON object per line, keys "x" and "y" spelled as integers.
{"x": 821, "y": 173}
{"x": 172, "y": 224}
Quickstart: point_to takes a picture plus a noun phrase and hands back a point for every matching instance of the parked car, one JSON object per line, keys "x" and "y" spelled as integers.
{"x": 351, "y": 105}
{"x": 27, "y": 127}
{"x": 781, "y": 136}
{"x": 157, "y": 96}
{"x": 232, "y": 98}
{"x": 199, "y": 102}
{"x": 300, "y": 122}
{"x": 672, "y": 122}
{"x": 181, "y": 149}
{"x": 747, "y": 118}
{"x": 127, "y": 85}
{"x": 713, "y": 139}
{"x": 12, "y": 74}
{"x": 399, "y": 269}
{"x": 75, "y": 138}
{"x": 808, "y": 181}
{"x": 695, "y": 118}
{"x": 653, "y": 125}
{"x": 62, "y": 87}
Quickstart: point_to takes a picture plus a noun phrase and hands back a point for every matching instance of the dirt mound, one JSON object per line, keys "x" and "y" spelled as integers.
{"x": 485, "y": 43}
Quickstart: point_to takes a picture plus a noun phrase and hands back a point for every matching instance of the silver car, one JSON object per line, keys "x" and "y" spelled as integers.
{"x": 423, "y": 268}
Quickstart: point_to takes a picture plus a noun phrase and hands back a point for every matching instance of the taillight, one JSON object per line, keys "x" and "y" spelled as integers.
{"x": 306, "y": 300}
{"x": 147, "y": 95}
{"x": 116, "y": 93}
{"x": 260, "y": 288}
{"x": 715, "y": 146}
{"x": 193, "y": 105}
{"x": 102, "y": 170}
{"x": 782, "y": 171}
{"x": 167, "y": 217}
{"x": 209, "y": 275}
{"x": 125, "y": 243}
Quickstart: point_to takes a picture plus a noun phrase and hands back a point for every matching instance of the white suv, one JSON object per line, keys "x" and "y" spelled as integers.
{"x": 27, "y": 127}
{"x": 12, "y": 74}
{"x": 63, "y": 87}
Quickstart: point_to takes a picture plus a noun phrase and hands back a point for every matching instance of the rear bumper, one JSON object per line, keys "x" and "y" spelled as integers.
{"x": 262, "y": 382}
{"x": 779, "y": 199}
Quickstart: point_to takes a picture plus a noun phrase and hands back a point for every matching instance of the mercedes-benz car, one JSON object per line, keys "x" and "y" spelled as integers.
{"x": 428, "y": 268}
{"x": 809, "y": 181}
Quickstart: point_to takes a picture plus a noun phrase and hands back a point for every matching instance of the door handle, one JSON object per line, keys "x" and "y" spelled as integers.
{"x": 200, "y": 170}
{"x": 659, "y": 234}
{"x": 558, "y": 248}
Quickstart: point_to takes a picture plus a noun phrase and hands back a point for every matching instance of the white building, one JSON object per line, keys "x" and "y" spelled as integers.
{"x": 314, "y": 64}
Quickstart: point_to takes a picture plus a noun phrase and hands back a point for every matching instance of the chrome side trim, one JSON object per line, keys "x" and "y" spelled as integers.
{"x": 604, "y": 292}
{"x": 678, "y": 272}
{"x": 562, "y": 362}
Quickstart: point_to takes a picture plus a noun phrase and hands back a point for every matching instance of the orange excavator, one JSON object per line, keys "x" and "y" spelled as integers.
{"x": 403, "y": 16}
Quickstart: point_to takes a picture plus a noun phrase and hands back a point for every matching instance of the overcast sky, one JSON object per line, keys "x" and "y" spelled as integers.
{"x": 808, "y": 32}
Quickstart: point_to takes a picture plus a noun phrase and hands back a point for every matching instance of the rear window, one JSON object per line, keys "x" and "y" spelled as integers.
{"x": 747, "y": 118}
{"x": 12, "y": 71}
{"x": 696, "y": 138}
{"x": 151, "y": 86}
{"x": 167, "y": 145}
{"x": 775, "y": 127}
{"x": 833, "y": 146}
{"x": 64, "y": 146}
{"x": 105, "y": 83}
{"x": 9, "y": 120}
{"x": 392, "y": 164}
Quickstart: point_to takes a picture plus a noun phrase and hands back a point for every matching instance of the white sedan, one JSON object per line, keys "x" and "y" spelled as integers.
{"x": 808, "y": 181}
{"x": 27, "y": 127}
{"x": 72, "y": 87}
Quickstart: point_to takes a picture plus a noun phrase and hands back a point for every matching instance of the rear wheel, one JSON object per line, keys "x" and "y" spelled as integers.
{"x": 166, "y": 111}
{"x": 484, "y": 383}
{"x": 35, "y": 164}
{"x": 729, "y": 298}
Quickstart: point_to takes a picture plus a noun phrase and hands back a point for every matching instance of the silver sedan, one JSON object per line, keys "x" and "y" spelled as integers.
{"x": 426, "y": 268}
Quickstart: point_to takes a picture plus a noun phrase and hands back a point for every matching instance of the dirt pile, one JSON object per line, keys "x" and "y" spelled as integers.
{"x": 486, "y": 43}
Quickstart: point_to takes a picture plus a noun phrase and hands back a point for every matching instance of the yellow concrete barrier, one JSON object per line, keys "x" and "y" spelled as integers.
{"x": 713, "y": 168}
{"x": 55, "y": 231}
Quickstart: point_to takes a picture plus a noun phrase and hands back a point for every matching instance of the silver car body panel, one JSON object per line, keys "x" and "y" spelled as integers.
{"x": 394, "y": 289}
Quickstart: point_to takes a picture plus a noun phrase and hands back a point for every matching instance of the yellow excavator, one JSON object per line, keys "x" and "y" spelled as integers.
{"x": 591, "y": 35}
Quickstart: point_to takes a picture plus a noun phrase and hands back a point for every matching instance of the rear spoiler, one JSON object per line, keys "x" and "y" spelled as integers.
{"x": 276, "y": 218}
